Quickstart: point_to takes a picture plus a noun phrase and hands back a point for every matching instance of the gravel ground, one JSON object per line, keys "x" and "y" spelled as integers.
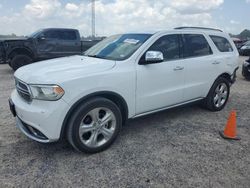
{"x": 175, "y": 148}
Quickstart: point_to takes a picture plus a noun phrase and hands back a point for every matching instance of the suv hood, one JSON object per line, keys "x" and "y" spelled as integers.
{"x": 56, "y": 71}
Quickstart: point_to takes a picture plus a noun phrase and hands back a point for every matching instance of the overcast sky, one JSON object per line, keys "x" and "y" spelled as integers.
{"x": 22, "y": 17}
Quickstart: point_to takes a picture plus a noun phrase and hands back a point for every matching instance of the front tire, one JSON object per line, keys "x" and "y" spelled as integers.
{"x": 218, "y": 95}
{"x": 94, "y": 125}
{"x": 19, "y": 61}
{"x": 246, "y": 73}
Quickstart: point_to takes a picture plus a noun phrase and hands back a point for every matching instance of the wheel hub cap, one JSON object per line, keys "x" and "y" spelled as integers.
{"x": 97, "y": 127}
{"x": 221, "y": 95}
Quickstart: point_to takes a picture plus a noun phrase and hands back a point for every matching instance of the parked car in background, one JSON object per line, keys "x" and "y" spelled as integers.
{"x": 246, "y": 69}
{"x": 43, "y": 44}
{"x": 87, "y": 98}
{"x": 245, "y": 49}
{"x": 238, "y": 42}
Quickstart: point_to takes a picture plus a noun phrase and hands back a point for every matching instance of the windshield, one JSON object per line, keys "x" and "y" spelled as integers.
{"x": 117, "y": 47}
{"x": 35, "y": 33}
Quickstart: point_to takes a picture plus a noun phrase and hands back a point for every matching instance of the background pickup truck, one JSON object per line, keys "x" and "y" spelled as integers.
{"x": 43, "y": 44}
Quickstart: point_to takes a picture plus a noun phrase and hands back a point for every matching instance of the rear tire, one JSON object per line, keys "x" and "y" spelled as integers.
{"x": 94, "y": 125}
{"x": 19, "y": 61}
{"x": 218, "y": 95}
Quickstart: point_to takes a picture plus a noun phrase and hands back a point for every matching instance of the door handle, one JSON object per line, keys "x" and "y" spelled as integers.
{"x": 216, "y": 63}
{"x": 178, "y": 68}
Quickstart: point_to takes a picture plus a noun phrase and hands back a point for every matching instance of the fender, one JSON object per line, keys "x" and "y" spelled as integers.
{"x": 225, "y": 75}
{"x": 21, "y": 50}
{"x": 106, "y": 94}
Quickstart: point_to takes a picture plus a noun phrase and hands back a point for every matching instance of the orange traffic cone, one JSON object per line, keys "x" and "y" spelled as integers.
{"x": 230, "y": 129}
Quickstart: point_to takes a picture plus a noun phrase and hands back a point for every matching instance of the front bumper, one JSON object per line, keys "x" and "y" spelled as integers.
{"x": 2, "y": 59}
{"x": 39, "y": 120}
{"x": 31, "y": 132}
{"x": 2, "y": 62}
{"x": 246, "y": 69}
{"x": 245, "y": 52}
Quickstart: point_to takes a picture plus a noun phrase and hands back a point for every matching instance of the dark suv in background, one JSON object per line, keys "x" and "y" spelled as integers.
{"x": 43, "y": 44}
{"x": 245, "y": 49}
{"x": 246, "y": 69}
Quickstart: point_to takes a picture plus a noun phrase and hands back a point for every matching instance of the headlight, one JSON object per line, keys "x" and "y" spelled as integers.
{"x": 46, "y": 92}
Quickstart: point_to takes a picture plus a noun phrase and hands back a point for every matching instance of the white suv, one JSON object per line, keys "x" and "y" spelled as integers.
{"x": 87, "y": 98}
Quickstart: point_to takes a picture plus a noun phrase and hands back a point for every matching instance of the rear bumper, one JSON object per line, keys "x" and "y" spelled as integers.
{"x": 2, "y": 60}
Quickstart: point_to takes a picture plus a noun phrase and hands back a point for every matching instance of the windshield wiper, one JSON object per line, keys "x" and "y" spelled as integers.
{"x": 96, "y": 56}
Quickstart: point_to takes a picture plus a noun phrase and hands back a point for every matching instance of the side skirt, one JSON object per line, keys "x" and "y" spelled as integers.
{"x": 165, "y": 108}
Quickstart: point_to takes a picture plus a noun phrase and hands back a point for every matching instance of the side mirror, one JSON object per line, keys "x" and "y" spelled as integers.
{"x": 153, "y": 57}
{"x": 41, "y": 37}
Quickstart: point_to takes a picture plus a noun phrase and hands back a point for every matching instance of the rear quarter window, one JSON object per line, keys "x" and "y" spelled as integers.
{"x": 222, "y": 44}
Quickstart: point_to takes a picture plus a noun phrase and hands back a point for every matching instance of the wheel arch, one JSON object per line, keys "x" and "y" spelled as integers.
{"x": 225, "y": 75}
{"x": 21, "y": 50}
{"x": 208, "y": 101}
{"x": 114, "y": 97}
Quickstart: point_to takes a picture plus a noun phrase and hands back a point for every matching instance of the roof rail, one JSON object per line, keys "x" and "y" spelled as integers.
{"x": 205, "y": 28}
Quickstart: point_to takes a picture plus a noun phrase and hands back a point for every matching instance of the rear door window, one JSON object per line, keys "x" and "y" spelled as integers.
{"x": 195, "y": 45}
{"x": 67, "y": 35}
{"x": 222, "y": 43}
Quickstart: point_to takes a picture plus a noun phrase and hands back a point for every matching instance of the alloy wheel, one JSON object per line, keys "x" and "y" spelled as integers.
{"x": 221, "y": 94}
{"x": 97, "y": 127}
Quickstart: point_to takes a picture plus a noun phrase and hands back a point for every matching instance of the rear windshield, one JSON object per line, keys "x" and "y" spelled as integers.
{"x": 221, "y": 43}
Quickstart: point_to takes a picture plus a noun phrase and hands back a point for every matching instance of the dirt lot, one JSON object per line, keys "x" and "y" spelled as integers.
{"x": 174, "y": 148}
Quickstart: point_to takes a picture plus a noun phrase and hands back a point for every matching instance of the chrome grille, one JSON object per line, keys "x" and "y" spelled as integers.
{"x": 23, "y": 90}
